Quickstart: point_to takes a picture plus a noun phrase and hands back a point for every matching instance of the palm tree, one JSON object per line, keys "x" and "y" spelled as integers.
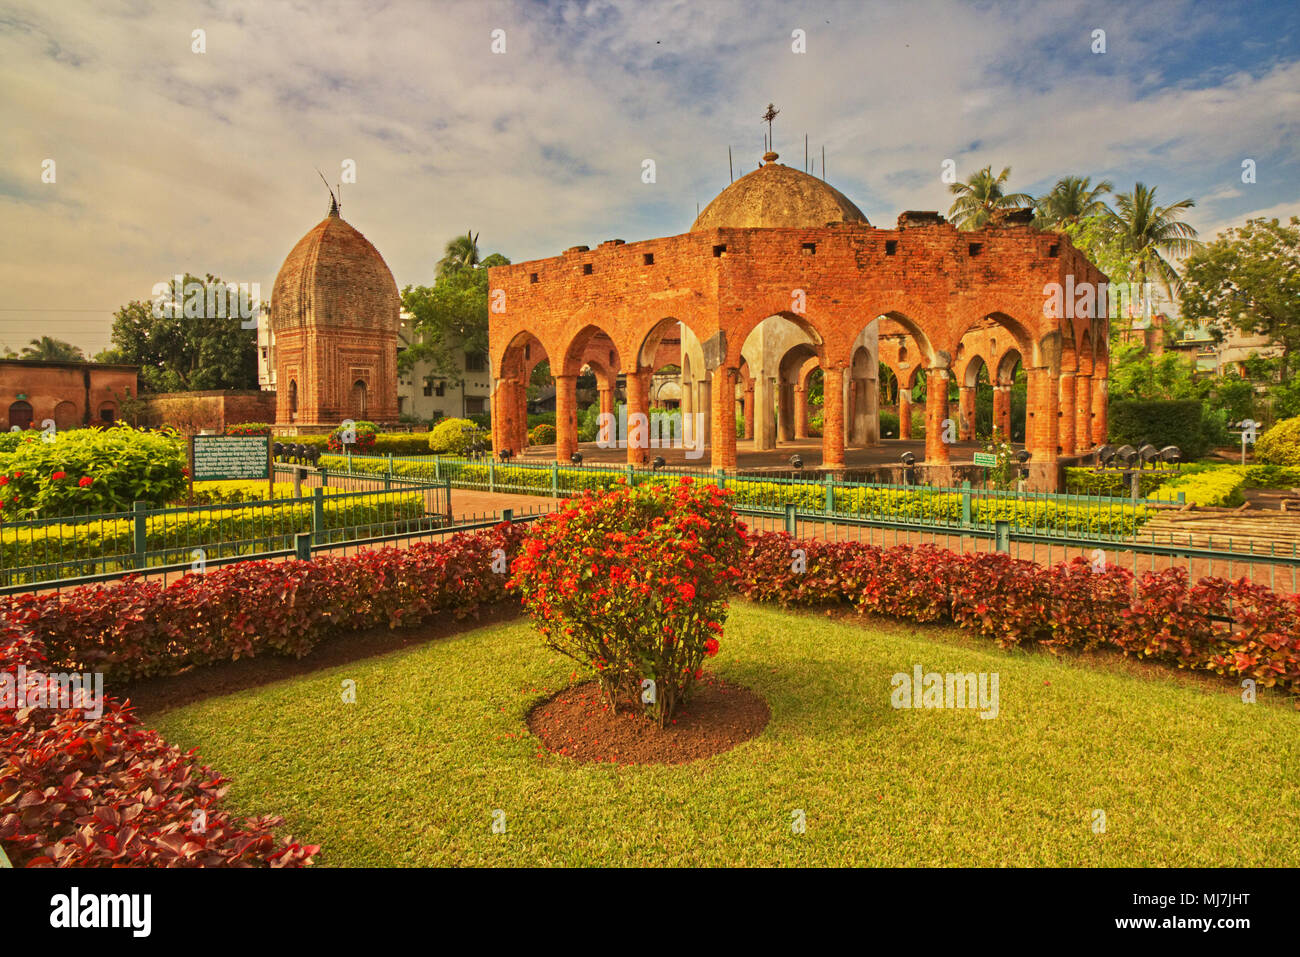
{"x": 981, "y": 196}
{"x": 1147, "y": 233}
{"x": 1073, "y": 198}
{"x": 52, "y": 350}
{"x": 461, "y": 253}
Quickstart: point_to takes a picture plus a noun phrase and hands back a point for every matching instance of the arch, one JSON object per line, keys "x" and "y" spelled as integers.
{"x": 969, "y": 376}
{"x": 293, "y": 400}
{"x": 357, "y": 399}
{"x": 20, "y": 415}
{"x": 66, "y": 415}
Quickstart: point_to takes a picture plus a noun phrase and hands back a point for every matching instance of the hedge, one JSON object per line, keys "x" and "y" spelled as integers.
{"x": 386, "y": 443}
{"x": 103, "y": 546}
{"x": 1208, "y": 487}
{"x": 1161, "y": 422}
{"x": 1083, "y": 481}
{"x": 1280, "y": 445}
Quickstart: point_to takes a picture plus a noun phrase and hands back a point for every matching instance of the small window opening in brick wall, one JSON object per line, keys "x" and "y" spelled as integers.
{"x": 808, "y": 249}
{"x": 976, "y": 248}
{"x": 1054, "y": 250}
{"x": 586, "y": 269}
{"x": 891, "y": 247}
{"x": 719, "y": 250}
{"x": 532, "y": 277}
{"x": 648, "y": 259}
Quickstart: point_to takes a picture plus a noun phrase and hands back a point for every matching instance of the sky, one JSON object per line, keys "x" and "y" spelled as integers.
{"x": 169, "y": 160}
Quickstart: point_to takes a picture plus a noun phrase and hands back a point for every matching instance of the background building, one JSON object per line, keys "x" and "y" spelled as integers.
{"x": 72, "y": 394}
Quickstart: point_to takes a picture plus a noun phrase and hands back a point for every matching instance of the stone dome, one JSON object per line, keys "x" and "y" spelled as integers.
{"x": 334, "y": 276}
{"x": 778, "y": 196}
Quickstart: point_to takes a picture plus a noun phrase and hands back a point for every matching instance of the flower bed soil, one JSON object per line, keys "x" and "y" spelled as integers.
{"x": 579, "y": 724}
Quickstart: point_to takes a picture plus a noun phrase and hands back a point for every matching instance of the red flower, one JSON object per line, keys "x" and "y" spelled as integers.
{"x": 4, "y": 479}
{"x": 85, "y": 480}
{"x": 711, "y": 647}
{"x": 58, "y": 475}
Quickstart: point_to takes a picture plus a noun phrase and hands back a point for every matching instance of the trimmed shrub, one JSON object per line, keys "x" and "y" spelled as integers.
{"x": 1161, "y": 422}
{"x": 402, "y": 443}
{"x": 632, "y": 585}
{"x": 542, "y": 435}
{"x": 249, "y": 428}
{"x": 1083, "y": 481}
{"x": 1272, "y": 476}
{"x": 362, "y": 435}
{"x": 1208, "y": 487}
{"x": 91, "y": 471}
{"x": 449, "y": 437}
{"x": 1280, "y": 445}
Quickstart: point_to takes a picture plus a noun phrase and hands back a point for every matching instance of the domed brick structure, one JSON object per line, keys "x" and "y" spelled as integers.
{"x": 781, "y": 275}
{"x": 776, "y": 196}
{"x": 334, "y": 313}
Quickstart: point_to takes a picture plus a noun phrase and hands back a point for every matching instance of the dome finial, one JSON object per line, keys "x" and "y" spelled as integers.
{"x": 334, "y": 200}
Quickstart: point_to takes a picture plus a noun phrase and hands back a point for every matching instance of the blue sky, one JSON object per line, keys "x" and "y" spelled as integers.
{"x": 169, "y": 160}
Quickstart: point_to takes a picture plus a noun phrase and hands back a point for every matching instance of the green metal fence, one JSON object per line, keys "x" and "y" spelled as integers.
{"x": 79, "y": 549}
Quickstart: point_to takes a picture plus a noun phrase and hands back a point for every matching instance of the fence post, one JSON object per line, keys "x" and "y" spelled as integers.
{"x": 507, "y": 515}
{"x": 298, "y": 472}
{"x": 1002, "y": 536}
{"x": 141, "y": 533}
{"x": 318, "y": 513}
{"x": 1135, "y": 484}
{"x": 555, "y": 480}
{"x": 965, "y": 503}
{"x": 790, "y": 520}
{"x": 1182, "y": 500}
{"x": 492, "y": 476}
{"x": 446, "y": 490}
{"x": 302, "y": 546}
{"x": 437, "y": 468}
{"x": 631, "y": 475}
{"x": 348, "y": 450}
{"x": 830, "y": 493}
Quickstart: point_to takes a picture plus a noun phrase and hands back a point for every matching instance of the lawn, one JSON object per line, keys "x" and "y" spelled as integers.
{"x": 412, "y": 772}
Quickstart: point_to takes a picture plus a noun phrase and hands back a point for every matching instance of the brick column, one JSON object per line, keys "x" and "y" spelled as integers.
{"x": 785, "y": 411}
{"x": 936, "y": 410}
{"x": 566, "y": 417}
{"x": 1041, "y": 432}
{"x": 966, "y": 413}
{"x": 800, "y": 412}
{"x": 503, "y": 414}
{"x": 1002, "y": 410}
{"x": 1083, "y": 412}
{"x": 904, "y": 413}
{"x": 606, "y": 394}
{"x": 521, "y": 417}
{"x": 749, "y": 410}
{"x": 723, "y": 444}
{"x": 638, "y": 435}
{"x": 1066, "y": 429}
{"x": 1100, "y": 395}
{"x": 832, "y": 417}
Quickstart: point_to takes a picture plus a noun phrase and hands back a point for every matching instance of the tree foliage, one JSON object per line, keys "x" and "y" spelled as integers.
{"x": 981, "y": 196}
{"x": 452, "y": 314}
{"x": 180, "y": 353}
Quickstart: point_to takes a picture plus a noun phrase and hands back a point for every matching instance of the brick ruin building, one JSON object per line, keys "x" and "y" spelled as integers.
{"x": 334, "y": 317}
{"x": 782, "y": 274}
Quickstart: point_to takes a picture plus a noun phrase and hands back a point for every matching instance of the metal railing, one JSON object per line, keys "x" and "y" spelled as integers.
{"x": 79, "y": 549}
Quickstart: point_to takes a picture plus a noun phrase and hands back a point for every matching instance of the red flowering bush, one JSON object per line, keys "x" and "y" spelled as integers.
{"x": 632, "y": 583}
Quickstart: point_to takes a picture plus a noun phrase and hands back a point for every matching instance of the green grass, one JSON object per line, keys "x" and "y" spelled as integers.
{"x": 410, "y": 775}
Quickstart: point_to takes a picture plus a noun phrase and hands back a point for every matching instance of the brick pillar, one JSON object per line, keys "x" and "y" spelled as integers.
{"x": 1002, "y": 410}
{"x": 1041, "y": 432}
{"x": 785, "y": 410}
{"x": 936, "y": 410}
{"x": 832, "y": 417}
{"x": 566, "y": 417}
{"x": 723, "y": 438}
{"x": 966, "y": 413}
{"x": 800, "y": 412}
{"x": 1100, "y": 395}
{"x": 749, "y": 410}
{"x": 606, "y": 394}
{"x": 503, "y": 414}
{"x": 1066, "y": 415}
{"x": 1083, "y": 412}
{"x": 638, "y": 435}
{"x": 904, "y": 414}
{"x": 520, "y": 437}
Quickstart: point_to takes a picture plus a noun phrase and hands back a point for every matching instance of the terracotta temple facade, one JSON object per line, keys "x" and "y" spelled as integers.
{"x": 334, "y": 314}
{"x": 780, "y": 275}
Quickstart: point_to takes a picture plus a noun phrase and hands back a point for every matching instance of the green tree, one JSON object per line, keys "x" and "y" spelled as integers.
{"x": 981, "y": 196}
{"x": 450, "y": 315}
{"x": 1147, "y": 233}
{"x": 1071, "y": 200}
{"x": 460, "y": 253}
{"x": 1250, "y": 278}
{"x": 185, "y": 353}
{"x": 52, "y": 350}
{"x": 1136, "y": 374}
